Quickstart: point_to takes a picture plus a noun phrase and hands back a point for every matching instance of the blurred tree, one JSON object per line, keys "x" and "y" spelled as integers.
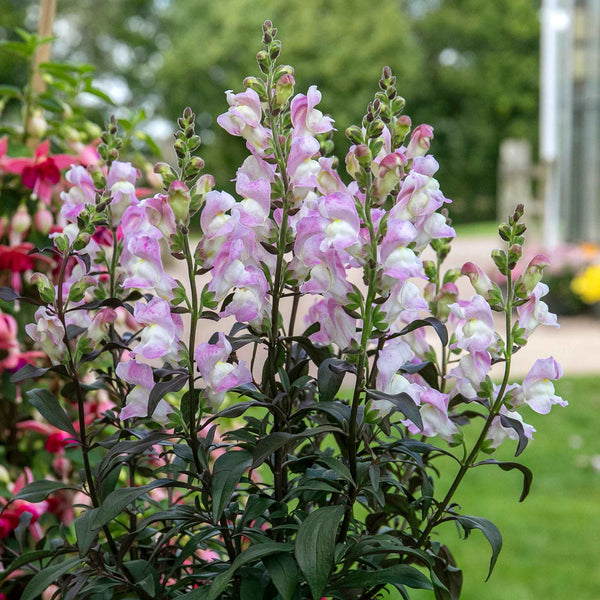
{"x": 335, "y": 44}
{"x": 468, "y": 67}
{"x": 479, "y": 85}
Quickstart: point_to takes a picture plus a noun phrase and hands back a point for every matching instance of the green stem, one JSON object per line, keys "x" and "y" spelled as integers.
{"x": 494, "y": 411}
{"x": 193, "y": 404}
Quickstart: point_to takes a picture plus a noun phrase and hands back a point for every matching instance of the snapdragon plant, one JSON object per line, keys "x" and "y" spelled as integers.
{"x": 292, "y": 454}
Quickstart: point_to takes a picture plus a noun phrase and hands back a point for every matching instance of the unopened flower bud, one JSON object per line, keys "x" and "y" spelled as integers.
{"x": 263, "y": 60}
{"x": 363, "y": 155}
{"x": 430, "y": 269}
{"x": 479, "y": 280}
{"x": 43, "y": 219}
{"x": 401, "y": 128}
{"x": 180, "y": 148}
{"x": 284, "y": 89}
{"x": 355, "y": 134}
{"x": 204, "y": 185}
{"x": 44, "y": 286}
{"x": 533, "y": 273}
{"x": 21, "y": 220}
{"x": 375, "y": 128}
{"x": 93, "y": 131}
{"x": 82, "y": 240}
{"x": 420, "y": 141}
{"x": 256, "y": 84}
{"x": 514, "y": 254}
{"x": 179, "y": 201}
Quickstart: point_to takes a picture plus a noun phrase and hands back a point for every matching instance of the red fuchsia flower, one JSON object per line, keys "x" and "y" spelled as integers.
{"x": 18, "y": 260}
{"x": 9, "y": 346}
{"x": 56, "y": 439}
{"x": 40, "y": 173}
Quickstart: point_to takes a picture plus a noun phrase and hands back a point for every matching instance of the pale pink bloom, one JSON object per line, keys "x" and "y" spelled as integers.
{"x": 404, "y": 296}
{"x": 420, "y": 140}
{"x": 388, "y": 173}
{"x": 535, "y": 312}
{"x": 470, "y": 373}
{"x": 136, "y": 403}
{"x": 243, "y": 119}
{"x": 342, "y": 225}
{"x": 328, "y": 180}
{"x": 337, "y": 326}
{"x": 254, "y": 208}
{"x": 218, "y": 374}
{"x": 306, "y": 119}
{"x": 533, "y": 272}
{"x": 121, "y": 183}
{"x": 328, "y": 277}
{"x": 432, "y": 227}
{"x": 398, "y": 261}
{"x": 420, "y": 195}
{"x": 79, "y": 195}
{"x": 475, "y": 329}
{"x": 49, "y": 333}
{"x": 215, "y": 221}
{"x": 9, "y": 346}
{"x": 250, "y": 302}
{"x": 302, "y": 169}
{"x": 538, "y": 388}
{"x": 497, "y": 432}
{"x": 434, "y": 413}
{"x": 160, "y": 337}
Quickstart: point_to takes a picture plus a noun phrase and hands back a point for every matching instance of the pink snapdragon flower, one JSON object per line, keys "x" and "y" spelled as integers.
{"x": 470, "y": 373}
{"x": 479, "y": 280}
{"x": 538, "y": 388}
{"x": 337, "y": 326}
{"x": 120, "y": 180}
{"x": 49, "y": 333}
{"x": 160, "y": 339}
{"x": 218, "y": 374}
{"x": 404, "y": 296}
{"x": 302, "y": 167}
{"x": 243, "y": 119}
{"x": 399, "y": 262}
{"x": 79, "y": 195}
{"x": 136, "y": 403}
{"x": 306, "y": 119}
{"x": 475, "y": 330}
{"x": 254, "y": 209}
{"x": 434, "y": 413}
{"x": 535, "y": 312}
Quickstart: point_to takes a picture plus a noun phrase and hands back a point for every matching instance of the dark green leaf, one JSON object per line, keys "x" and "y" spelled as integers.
{"x": 397, "y": 574}
{"x": 315, "y": 546}
{"x": 227, "y": 472}
{"x": 47, "y": 576}
{"x": 84, "y": 531}
{"x": 403, "y": 402}
{"x": 317, "y": 353}
{"x": 518, "y": 427}
{"x": 161, "y": 389}
{"x": 439, "y": 327}
{"x": 116, "y": 502}
{"x": 491, "y": 532}
{"x": 508, "y": 466}
{"x": 283, "y": 572}
{"x": 330, "y": 381}
{"x": 37, "y": 491}
{"x": 47, "y": 404}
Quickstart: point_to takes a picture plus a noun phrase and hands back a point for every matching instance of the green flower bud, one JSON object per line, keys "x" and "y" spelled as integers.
{"x": 179, "y": 201}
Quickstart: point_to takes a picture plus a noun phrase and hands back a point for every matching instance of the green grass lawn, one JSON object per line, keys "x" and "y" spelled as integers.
{"x": 552, "y": 540}
{"x": 480, "y": 228}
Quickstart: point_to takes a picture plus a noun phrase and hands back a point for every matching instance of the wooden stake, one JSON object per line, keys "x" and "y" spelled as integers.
{"x": 42, "y": 54}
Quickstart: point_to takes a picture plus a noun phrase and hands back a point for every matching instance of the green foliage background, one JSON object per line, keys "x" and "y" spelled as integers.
{"x": 468, "y": 67}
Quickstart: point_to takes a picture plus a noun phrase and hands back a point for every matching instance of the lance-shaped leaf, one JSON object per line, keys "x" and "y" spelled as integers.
{"x": 330, "y": 377}
{"x": 48, "y": 405}
{"x": 518, "y": 427}
{"x": 509, "y": 466}
{"x": 439, "y": 327}
{"x": 227, "y": 472}
{"x": 491, "y": 532}
{"x": 161, "y": 389}
{"x": 397, "y": 574}
{"x": 30, "y": 372}
{"x": 37, "y": 491}
{"x": 48, "y": 575}
{"x": 315, "y": 546}
{"x": 283, "y": 571}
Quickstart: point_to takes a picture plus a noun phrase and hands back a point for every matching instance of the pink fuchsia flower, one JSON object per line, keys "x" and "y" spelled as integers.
{"x": 470, "y": 373}
{"x": 498, "y": 432}
{"x": 337, "y": 326}
{"x": 49, "y": 333}
{"x": 40, "y": 173}
{"x": 434, "y": 413}
{"x": 160, "y": 337}
{"x": 420, "y": 140}
{"x": 475, "y": 329}
{"x": 219, "y": 375}
{"x": 535, "y": 312}
{"x": 136, "y": 403}
{"x": 306, "y": 119}
{"x": 479, "y": 280}
{"x": 43, "y": 219}
{"x": 243, "y": 119}
{"x": 20, "y": 224}
{"x": 9, "y": 346}
{"x": 538, "y": 388}
{"x": 56, "y": 439}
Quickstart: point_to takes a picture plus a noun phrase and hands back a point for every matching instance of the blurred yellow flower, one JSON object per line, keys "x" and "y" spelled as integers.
{"x": 587, "y": 284}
